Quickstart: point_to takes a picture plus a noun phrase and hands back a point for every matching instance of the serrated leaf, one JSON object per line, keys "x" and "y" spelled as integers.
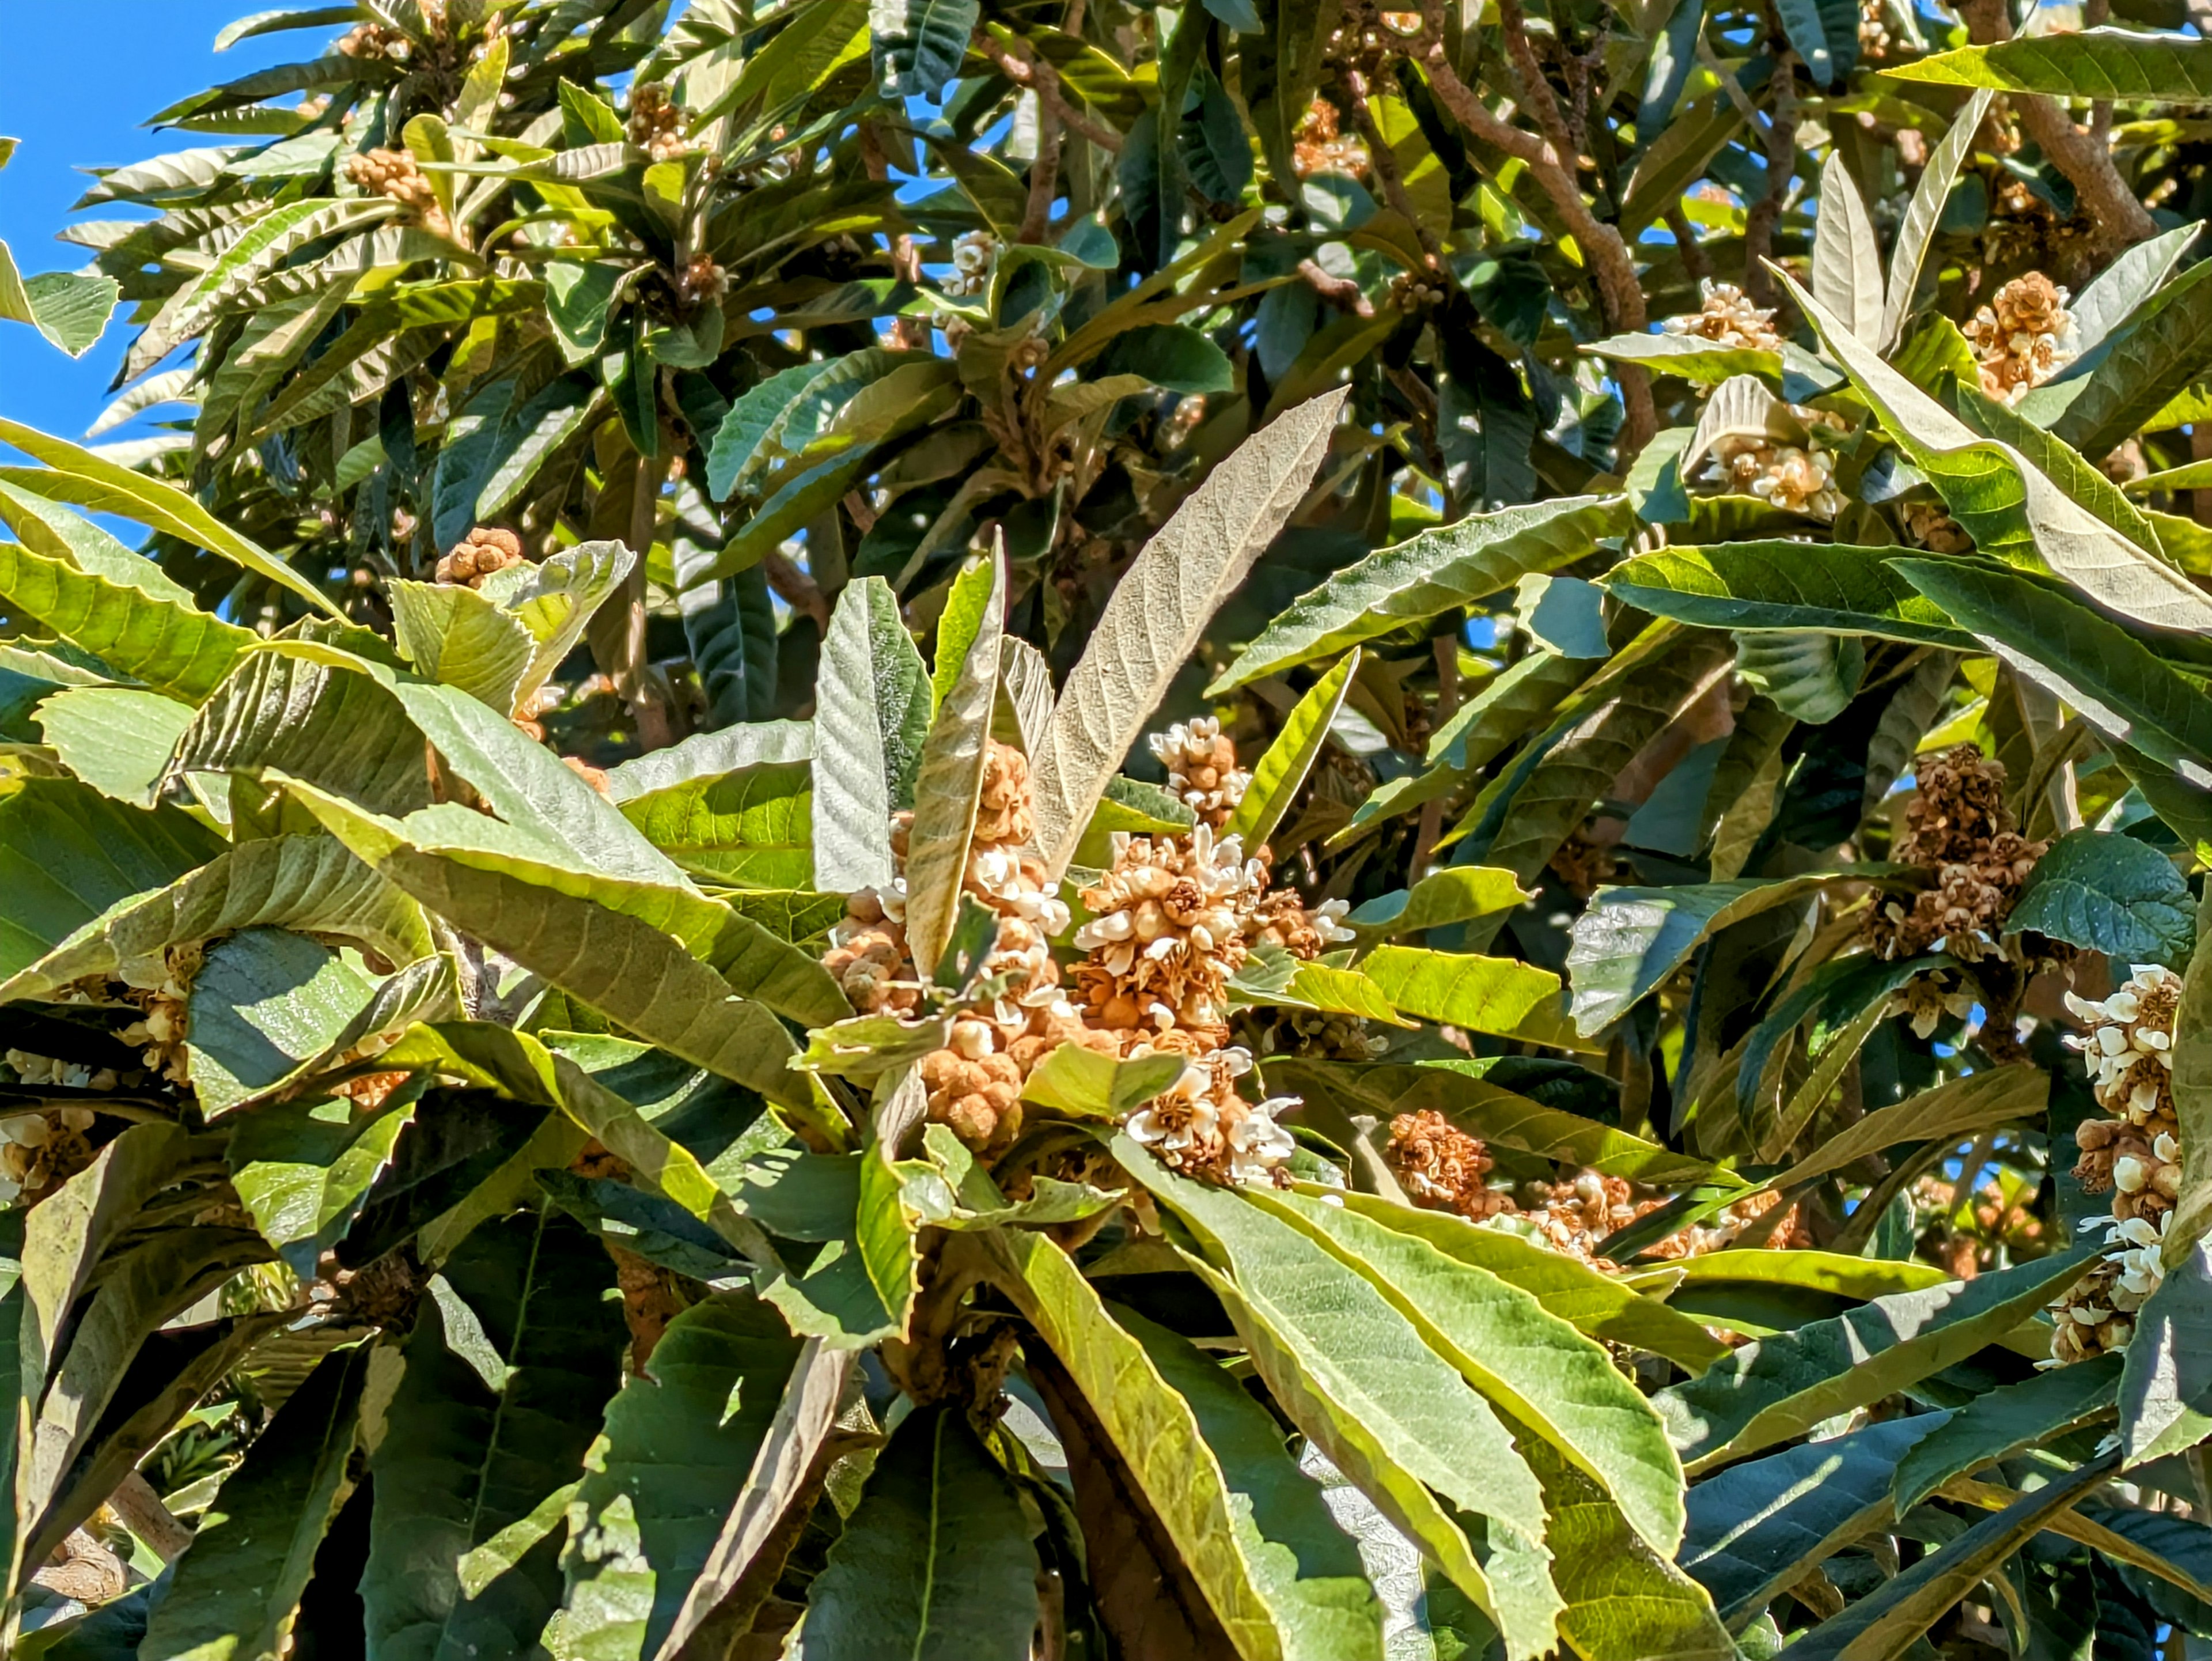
{"x": 1830, "y": 586}
{"x": 873, "y": 707}
{"x": 1534, "y": 1366}
{"x": 2002, "y": 1422}
{"x": 1497, "y": 995}
{"x": 2100, "y": 62}
{"x": 69, "y": 309}
{"x": 306, "y": 883}
{"x": 703, "y": 755}
{"x": 1982, "y": 482}
{"x": 1152, "y": 623}
{"x": 949, "y": 774}
{"x": 1355, "y": 1377}
{"x": 1276, "y": 1576}
{"x": 2107, "y": 893}
{"x": 752, "y": 827}
{"x": 116, "y": 739}
{"x": 1280, "y": 774}
{"x": 1438, "y": 570}
{"x": 1780, "y": 1387}
{"x": 466, "y": 1457}
{"x": 1846, "y": 254}
{"x": 168, "y": 644}
{"x": 451, "y": 633}
{"x": 1756, "y": 1527}
{"x": 2151, "y": 359}
{"x": 233, "y": 1590}
{"x": 1915, "y": 230}
{"x": 672, "y": 1459}
{"x": 935, "y": 1561}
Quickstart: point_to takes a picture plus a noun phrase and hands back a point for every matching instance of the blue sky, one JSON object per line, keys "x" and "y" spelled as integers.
{"x": 81, "y": 76}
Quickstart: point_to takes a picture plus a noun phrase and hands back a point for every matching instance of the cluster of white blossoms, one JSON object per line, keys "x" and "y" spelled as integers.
{"x": 1797, "y": 480}
{"x": 1200, "y": 1124}
{"x": 1200, "y": 760}
{"x": 2023, "y": 336}
{"x": 974, "y": 253}
{"x": 1726, "y": 318}
{"x": 2134, "y": 1154}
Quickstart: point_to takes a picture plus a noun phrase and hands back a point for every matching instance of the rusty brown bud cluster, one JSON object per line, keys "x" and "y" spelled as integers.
{"x": 476, "y": 555}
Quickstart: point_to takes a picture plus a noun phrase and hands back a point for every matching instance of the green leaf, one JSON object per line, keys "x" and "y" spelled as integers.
{"x": 1085, "y": 1084}
{"x": 1498, "y": 995}
{"x": 1281, "y": 772}
{"x": 54, "y": 531}
{"x": 2001, "y": 1423}
{"x": 303, "y": 1170}
{"x": 1957, "y": 1108}
{"x": 1756, "y": 1527}
{"x": 1829, "y": 587}
{"x": 2152, "y": 359}
{"x": 466, "y": 1458}
{"x": 1917, "y": 229}
{"x": 2107, "y": 893}
{"x": 1439, "y": 570}
{"x": 2100, "y": 667}
{"x": 1693, "y": 357}
{"x": 96, "y": 483}
{"x": 935, "y": 1563}
{"x": 678, "y": 970}
{"x": 265, "y": 1002}
{"x": 1357, "y": 1378}
{"x": 704, "y": 754}
{"x": 1533, "y": 1366}
{"x": 678, "y": 1444}
{"x": 2166, "y": 1392}
{"x": 70, "y": 308}
{"x": 1171, "y": 355}
{"x": 116, "y": 739}
{"x": 68, "y": 853}
{"x": 165, "y": 643}
{"x": 2192, "y": 1091}
{"x": 1846, "y": 252}
{"x": 306, "y": 883}
{"x": 1780, "y": 1387}
{"x": 2100, "y": 63}
{"x": 1457, "y": 893}
{"x": 1161, "y": 606}
{"x": 1630, "y": 940}
{"x": 1888, "y": 1620}
{"x": 1993, "y": 490}
{"x": 754, "y": 826}
{"x": 291, "y": 715}
{"x": 233, "y": 1591}
{"x": 873, "y": 707}
{"x": 451, "y": 633}
{"x": 950, "y": 776}
{"x": 1276, "y": 1575}
{"x": 929, "y": 47}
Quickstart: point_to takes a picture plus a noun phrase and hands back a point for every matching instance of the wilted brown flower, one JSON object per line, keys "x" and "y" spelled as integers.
{"x": 1959, "y": 830}
{"x": 1443, "y": 1168}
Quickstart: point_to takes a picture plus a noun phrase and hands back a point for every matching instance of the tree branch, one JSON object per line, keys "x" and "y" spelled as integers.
{"x": 1613, "y": 268}
{"x": 1759, "y": 224}
{"x": 2118, "y": 217}
{"x": 1041, "y": 78}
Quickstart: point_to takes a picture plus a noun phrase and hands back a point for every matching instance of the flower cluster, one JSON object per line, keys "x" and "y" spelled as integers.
{"x": 1727, "y": 318}
{"x": 1442, "y": 1168}
{"x": 1929, "y": 525}
{"x": 1797, "y": 480}
{"x": 394, "y": 174}
{"x": 370, "y": 41}
{"x": 1958, "y": 828}
{"x": 478, "y": 555}
{"x": 974, "y": 255}
{"x": 1201, "y": 767}
{"x": 700, "y": 281}
{"x": 2135, "y": 1155}
{"x": 2023, "y": 336}
{"x": 656, "y": 124}
{"x": 1166, "y": 932}
{"x": 40, "y": 1151}
{"x": 1320, "y": 145}
{"x": 1200, "y": 1124}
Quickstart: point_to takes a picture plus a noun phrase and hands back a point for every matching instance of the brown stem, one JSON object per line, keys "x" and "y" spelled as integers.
{"x": 1536, "y": 95}
{"x": 1759, "y": 225}
{"x": 2118, "y": 218}
{"x": 796, "y": 588}
{"x": 1686, "y": 238}
{"x": 653, "y": 732}
{"x": 1044, "y": 178}
{"x": 1041, "y": 78}
{"x": 1433, "y": 814}
{"x": 1340, "y": 292}
{"x": 1619, "y": 292}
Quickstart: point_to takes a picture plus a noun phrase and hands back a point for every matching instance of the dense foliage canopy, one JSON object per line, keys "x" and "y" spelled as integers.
{"x": 1033, "y": 831}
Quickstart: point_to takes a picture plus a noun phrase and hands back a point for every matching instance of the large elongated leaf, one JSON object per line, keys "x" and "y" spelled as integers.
{"x": 1355, "y": 1376}
{"x": 1279, "y": 774}
{"x": 303, "y": 1170}
{"x": 871, "y": 717}
{"x": 934, "y": 1561}
{"x": 91, "y": 481}
{"x": 1886, "y": 1621}
{"x": 664, "y": 1473}
{"x": 948, "y": 776}
{"x": 1436, "y": 571}
{"x": 2155, "y": 358}
{"x": 1152, "y": 624}
{"x": 165, "y": 643}
{"x": 1828, "y": 587}
{"x": 1917, "y": 229}
{"x": 2102, "y": 63}
{"x": 1485, "y": 994}
{"x": 2107, "y": 893}
{"x": 2166, "y": 1392}
{"x": 230, "y": 1596}
{"x": 2005, "y": 1421}
{"x": 754, "y": 827}
{"x": 1846, "y": 254}
{"x": 116, "y": 739}
{"x": 1536, "y": 1367}
{"x": 451, "y": 633}
{"x": 466, "y": 1457}
{"x": 1957, "y": 1108}
{"x": 69, "y": 854}
{"x": 1780, "y": 1387}
{"x": 1755, "y": 1528}
{"x": 1991, "y": 487}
